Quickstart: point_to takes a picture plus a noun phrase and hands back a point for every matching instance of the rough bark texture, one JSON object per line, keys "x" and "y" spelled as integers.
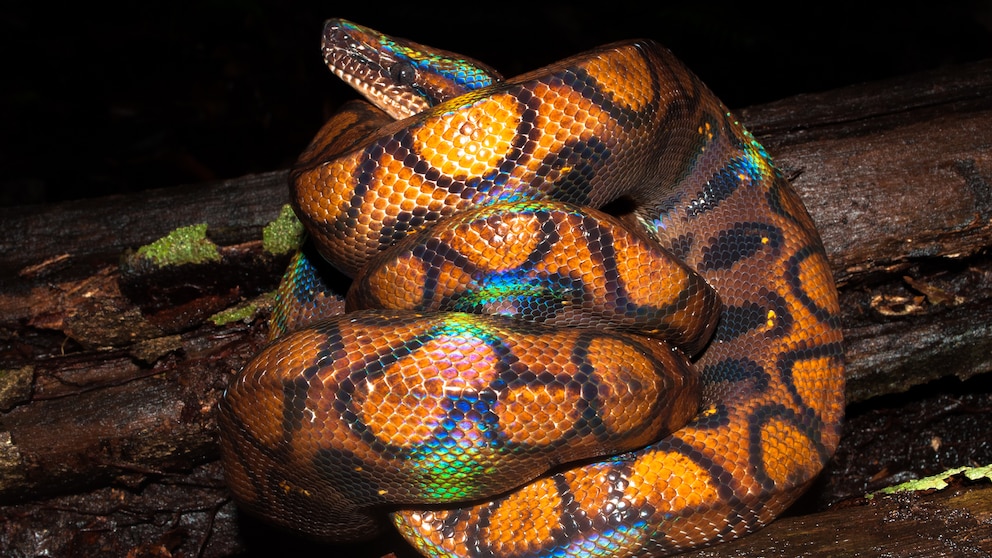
{"x": 110, "y": 366}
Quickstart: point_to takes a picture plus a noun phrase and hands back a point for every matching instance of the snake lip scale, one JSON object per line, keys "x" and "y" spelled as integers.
{"x": 518, "y": 373}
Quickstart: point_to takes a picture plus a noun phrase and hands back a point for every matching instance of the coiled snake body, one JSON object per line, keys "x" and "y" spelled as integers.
{"x": 661, "y": 377}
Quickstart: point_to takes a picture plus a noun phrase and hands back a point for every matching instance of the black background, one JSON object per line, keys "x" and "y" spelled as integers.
{"x": 99, "y": 100}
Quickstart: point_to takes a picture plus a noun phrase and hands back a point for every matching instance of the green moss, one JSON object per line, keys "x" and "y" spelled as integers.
{"x": 245, "y": 312}
{"x": 938, "y": 482}
{"x": 283, "y": 235}
{"x": 975, "y": 473}
{"x": 181, "y": 246}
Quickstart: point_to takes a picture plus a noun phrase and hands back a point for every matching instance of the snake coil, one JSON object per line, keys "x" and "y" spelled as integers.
{"x": 659, "y": 376}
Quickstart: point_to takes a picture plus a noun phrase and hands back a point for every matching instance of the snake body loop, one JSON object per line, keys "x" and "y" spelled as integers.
{"x": 662, "y": 377}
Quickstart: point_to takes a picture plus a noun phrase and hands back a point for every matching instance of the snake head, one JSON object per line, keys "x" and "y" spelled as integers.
{"x": 400, "y": 77}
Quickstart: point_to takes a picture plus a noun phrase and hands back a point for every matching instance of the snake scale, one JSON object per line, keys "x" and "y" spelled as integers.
{"x": 517, "y": 373}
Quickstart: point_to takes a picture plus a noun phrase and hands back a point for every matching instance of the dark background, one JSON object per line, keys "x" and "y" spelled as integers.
{"x": 98, "y": 100}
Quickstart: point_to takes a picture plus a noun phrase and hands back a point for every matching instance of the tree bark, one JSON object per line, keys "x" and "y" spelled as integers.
{"x": 955, "y": 522}
{"x": 110, "y": 366}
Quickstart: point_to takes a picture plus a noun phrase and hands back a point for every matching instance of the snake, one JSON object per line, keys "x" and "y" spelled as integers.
{"x": 586, "y": 315}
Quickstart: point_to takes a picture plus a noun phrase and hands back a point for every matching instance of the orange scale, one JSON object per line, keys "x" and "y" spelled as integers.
{"x": 531, "y": 354}
{"x": 550, "y": 361}
{"x": 388, "y": 165}
{"x": 462, "y": 138}
{"x": 400, "y": 420}
{"x": 535, "y": 414}
{"x": 446, "y": 198}
{"x": 560, "y": 103}
{"x": 394, "y": 197}
{"x": 645, "y": 282}
{"x": 617, "y": 84}
{"x": 425, "y": 200}
{"x": 579, "y": 128}
{"x": 452, "y": 279}
{"x": 451, "y": 168}
{"x": 568, "y": 113}
{"x": 261, "y": 399}
{"x": 787, "y": 454}
{"x": 478, "y": 168}
{"x": 533, "y": 509}
{"x": 432, "y": 142}
{"x": 632, "y": 386}
{"x": 811, "y": 270}
{"x": 561, "y": 135}
{"x": 808, "y": 379}
{"x": 440, "y": 152}
{"x": 399, "y": 283}
{"x": 589, "y": 486}
{"x": 660, "y": 478}
{"x": 486, "y": 249}
{"x": 404, "y": 174}
{"x": 466, "y": 354}
{"x": 505, "y": 108}
{"x": 373, "y": 219}
{"x": 387, "y": 181}
{"x": 317, "y": 201}
{"x": 586, "y": 267}
{"x": 554, "y": 127}
{"x": 428, "y": 530}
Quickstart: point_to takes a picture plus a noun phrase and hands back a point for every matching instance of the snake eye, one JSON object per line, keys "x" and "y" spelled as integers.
{"x": 403, "y": 73}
